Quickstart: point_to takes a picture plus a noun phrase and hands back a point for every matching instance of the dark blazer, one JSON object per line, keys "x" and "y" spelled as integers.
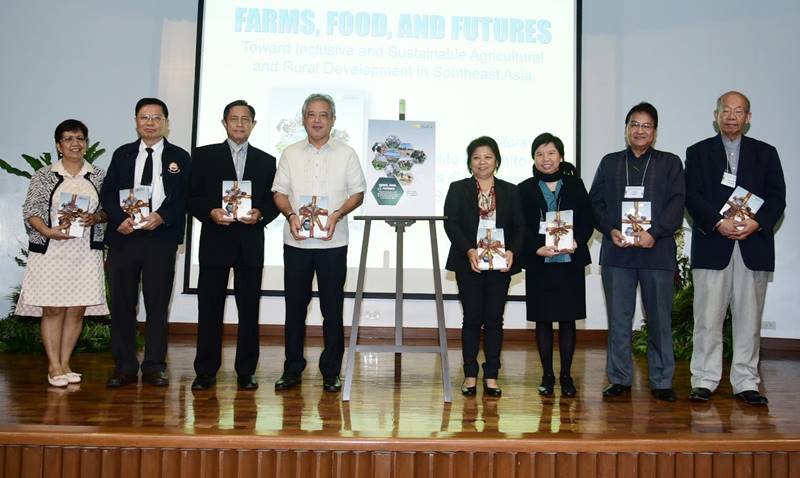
{"x": 461, "y": 226}
{"x": 573, "y": 196}
{"x": 759, "y": 171}
{"x": 665, "y": 188}
{"x": 223, "y": 245}
{"x": 175, "y": 170}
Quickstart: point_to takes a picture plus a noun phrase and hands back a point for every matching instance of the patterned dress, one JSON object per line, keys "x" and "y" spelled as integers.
{"x": 69, "y": 273}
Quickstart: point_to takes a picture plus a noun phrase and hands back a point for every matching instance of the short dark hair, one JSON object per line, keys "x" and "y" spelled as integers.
{"x": 70, "y": 125}
{"x": 483, "y": 141}
{"x": 644, "y": 107}
{"x": 547, "y": 138}
{"x": 152, "y": 101}
{"x": 233, "y": 104}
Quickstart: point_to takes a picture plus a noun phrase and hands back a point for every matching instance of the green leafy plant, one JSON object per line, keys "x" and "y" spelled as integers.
{"x": 683, "y": 313}
{"x": 92, "y": 153}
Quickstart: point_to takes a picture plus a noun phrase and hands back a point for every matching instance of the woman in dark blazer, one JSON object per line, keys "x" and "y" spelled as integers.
{"x": 555, "y": 286}
{"x": 487, "y": 201}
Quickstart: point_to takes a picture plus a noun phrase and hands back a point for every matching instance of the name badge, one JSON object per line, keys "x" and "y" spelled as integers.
{"x": 634, "y": 192}
{"x": 728, "y": 179}
{"x": 487, "y": 224}
{"x": 542, "y": 227}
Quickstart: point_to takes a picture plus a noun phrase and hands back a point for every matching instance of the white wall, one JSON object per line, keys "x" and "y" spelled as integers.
{"x": 92, "y": 60}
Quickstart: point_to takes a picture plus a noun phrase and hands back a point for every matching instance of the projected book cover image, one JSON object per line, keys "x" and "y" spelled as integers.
{"x": 741, "y": 205}
{"x": 559, "y": 230}
{"x": 400, "y": 170}
{"x": 70, "y": 208}
{"x": 491, "y": 249}
{"x": 237, "y": 199}
{"x": 313, "y": 213}
{"x": 135, "y": 203}
{"x": 635, "y": 218}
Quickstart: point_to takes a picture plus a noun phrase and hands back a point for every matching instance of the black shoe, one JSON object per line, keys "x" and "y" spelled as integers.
{"x": 203, "y": 382}
{"x": 700, "y": 394}
{"x": 156, "y": 379}
{"x": 615, "y": 390}
{"x": 546, "y": 387}
{"x": 287, "y": 381}
{"x": 492, "y": 392}
{"x": 331, "y": 384}
{"x": 247, "y": 382}
{"x": 664, "y": 394}
{"x": 567, "y": 386}
{"x": 469, "y": 391}
{"x": 752, "y": 397}
{"x": 120, "y": 380}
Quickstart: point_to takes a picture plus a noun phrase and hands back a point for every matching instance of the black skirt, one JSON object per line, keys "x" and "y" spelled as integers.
{"x": 555, "y": 292}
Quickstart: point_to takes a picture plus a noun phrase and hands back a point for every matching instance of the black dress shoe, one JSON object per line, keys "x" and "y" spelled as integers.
{"x": 203, "y": 382}
{"x": 120, "y": 380}
{"x": 491, "y": 391}
{"x": 546, "y": 387}
{"x": 331, "y": 384}
{"x": 468, "y": 391}
{"x": 615, "y": 390}
{"x": 247, "y": 382}
{"x": 156, "y": 379}
{"x": 664, "y": 394}
{"x": 700, "y": 394}
{"x": 567, "y": 386}
{"x": 752, "y": 397}
{"x": 287, "y": 381}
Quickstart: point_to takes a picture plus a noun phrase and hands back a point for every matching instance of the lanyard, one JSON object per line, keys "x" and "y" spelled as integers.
{"x": 644, "y": 174}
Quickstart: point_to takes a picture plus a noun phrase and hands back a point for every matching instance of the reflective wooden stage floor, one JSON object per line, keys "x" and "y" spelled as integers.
{"x": 521, "y": 433}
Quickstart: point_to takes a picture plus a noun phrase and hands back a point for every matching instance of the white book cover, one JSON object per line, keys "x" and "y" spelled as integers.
{"x": 70, "y": 208}
{"x": 636, "y": 217}
{"x": 237, "y": 199}
{"x": 313, "y": 214}
{"x": 741, "y": 205}
{"x": 135, "y": 203}
{"x": 560, "y": 227}
{"x": 491, "y": 249}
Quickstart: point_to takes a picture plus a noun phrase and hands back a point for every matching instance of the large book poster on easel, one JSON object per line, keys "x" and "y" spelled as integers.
{"x": 400, "y": 168}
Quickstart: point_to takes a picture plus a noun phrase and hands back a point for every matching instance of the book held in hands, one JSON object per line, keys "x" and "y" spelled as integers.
{"x": 742, "y": 205}
{"x": 313, "y": 214}
{"x": 237, "y": 199}
{"x": 636, "y": 217}
{"x": 70, "y": 208}
{"x": 559, "y": 230}
{"x": 491, "y": 249}
{"x": 135, "y": 202}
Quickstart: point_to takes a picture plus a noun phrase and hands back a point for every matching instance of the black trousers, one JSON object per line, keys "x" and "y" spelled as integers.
{"x": 483, "y": 298}
{"x": 211, "y": 289}
{"x": 330, "y": 266}
{"x": 150, "y": 261}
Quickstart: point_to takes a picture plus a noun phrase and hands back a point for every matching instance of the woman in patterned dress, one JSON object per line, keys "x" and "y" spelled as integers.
{"x": 64, "y": 279}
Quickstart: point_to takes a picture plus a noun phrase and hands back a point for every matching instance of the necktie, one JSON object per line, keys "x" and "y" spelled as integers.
{"x": 147, "y": 172}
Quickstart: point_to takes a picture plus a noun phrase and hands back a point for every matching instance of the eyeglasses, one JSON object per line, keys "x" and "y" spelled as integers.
{"x": 72, "y": 139}
{"x": 637, "y": 125}
{"x": 738, "y": 112}
{"x": 153, "y": 118}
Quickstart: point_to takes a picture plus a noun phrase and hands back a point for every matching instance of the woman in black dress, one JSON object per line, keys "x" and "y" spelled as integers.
{"x": 482, "y": 200}
{"x": 555, "y": 286}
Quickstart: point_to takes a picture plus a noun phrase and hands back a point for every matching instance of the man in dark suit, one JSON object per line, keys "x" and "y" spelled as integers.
{"x": 144, "y": 252}
{"x": 226, "y": 242}
{"x": 731, "y": 258}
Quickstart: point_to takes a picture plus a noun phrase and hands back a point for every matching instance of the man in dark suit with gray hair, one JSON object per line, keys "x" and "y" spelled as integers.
{"x": 732, "y": 257}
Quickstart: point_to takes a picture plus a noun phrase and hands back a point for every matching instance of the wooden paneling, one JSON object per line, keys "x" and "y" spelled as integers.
{"x": 37, "y": 461}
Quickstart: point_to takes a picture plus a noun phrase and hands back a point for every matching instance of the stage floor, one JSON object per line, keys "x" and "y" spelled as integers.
{"x": 382, "y": 409}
